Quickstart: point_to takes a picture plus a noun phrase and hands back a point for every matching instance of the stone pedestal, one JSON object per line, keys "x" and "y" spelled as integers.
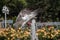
{"x": 0, "y": 24}
{"x": 33, "y": 30}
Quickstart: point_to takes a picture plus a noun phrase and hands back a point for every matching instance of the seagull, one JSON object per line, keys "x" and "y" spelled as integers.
{"x": 25, "y": 16}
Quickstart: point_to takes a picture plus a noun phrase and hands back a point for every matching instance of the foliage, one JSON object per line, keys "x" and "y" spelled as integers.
{"x": 14, "y": 6}
{"x": 50, "y": 8}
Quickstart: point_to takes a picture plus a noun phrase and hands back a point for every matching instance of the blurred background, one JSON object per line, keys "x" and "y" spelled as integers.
{"x": 51, "y": 9}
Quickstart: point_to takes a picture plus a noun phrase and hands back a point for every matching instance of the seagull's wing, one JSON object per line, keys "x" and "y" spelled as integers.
{"x": 30, "y": 16}
{"x": 19, "y": 19}
{"x": 22, "y": 13}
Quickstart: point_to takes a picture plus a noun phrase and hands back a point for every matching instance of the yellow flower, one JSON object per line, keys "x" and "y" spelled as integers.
{"x": 5, "y": 35}
{"x": 21, "y": 31}
{"x": 48, "y": 32}
{"x": 8, "y": 38}
{"x": 43, "y": 36}
{"x": 12, "y": 35}
{"x": 52, "y": 36}
{"x": 19, "y": 28}
{"x": 21, "y": 36}
{"x": 12, "y": 30}
{"x": 58, "y": 31}
{"x": 50, "y": 28}
{"x": 27, "y": 33}
{"x": 38, "y": 30}
{"x": 6, "y": 32}
{"x": 48, "y": 36}
{"x": 37, "y": 34}
{"x": 42, "y": 30}
{"x": 45, "y": 33}
{"x": 12, "y": 38}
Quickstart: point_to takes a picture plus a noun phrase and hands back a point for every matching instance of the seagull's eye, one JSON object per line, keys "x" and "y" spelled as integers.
{"x": 6, "y": 9}
{"x": 3, "y": 8}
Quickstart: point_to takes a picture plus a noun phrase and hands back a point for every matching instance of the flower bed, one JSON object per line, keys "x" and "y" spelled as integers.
{"x": 43, "y": 34}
